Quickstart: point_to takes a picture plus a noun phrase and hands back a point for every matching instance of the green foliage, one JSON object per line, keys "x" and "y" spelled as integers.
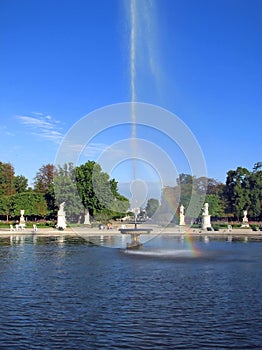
{"x": 244, "y": 192}
{"x": 87, "y": 186}
{"x": 33, "y": 203}
{"x": 237, "y": 185}
{"x": 215, "y": 205}
{"x": 20, "y": 183}
{"x": 65, "y": 190}
{"x": 6, "y": 179}
{"x": 151, "y": 207}
{"x": 5, "y": 206}
{"x": 168, "y": 206}
{"x": 97, "y": 192}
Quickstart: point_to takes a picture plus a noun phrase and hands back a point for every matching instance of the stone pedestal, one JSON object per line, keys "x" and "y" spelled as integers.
{"x": 206, "y": 222}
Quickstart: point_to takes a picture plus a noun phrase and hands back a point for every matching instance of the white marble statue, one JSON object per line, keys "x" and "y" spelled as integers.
{"x": 22, "y": 219}
{"x": 206, "y": 218}
{"x": 61, "y": 210}
{"x": 182, "y": 215}
{"x": 205, "y": 209}
{"x": 87, "y": 217}
{"x": 61, "y": 217}
{"x": 245, "y": 219}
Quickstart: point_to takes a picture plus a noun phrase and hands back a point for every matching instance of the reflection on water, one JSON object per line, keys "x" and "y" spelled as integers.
{"x": 64, "y": 293}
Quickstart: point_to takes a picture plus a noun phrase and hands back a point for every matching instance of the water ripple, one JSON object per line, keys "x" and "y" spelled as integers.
{"x": 78, "y": 296}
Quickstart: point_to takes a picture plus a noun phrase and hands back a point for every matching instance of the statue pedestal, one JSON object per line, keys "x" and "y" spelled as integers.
{"x": 206, "y": 222}
{"x": 182, "y": 220}
{"x": 245, "y": 220}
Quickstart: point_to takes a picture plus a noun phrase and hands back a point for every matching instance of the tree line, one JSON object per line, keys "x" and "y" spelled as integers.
{"x": 241, "y": 191}
{"x": 86, "y": 188}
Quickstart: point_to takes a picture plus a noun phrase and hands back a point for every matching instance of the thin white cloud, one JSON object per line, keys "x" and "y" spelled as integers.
{"x": 42, "y": 126}
{"x": 94, "y": 149}
{"x": 5, "y": 132}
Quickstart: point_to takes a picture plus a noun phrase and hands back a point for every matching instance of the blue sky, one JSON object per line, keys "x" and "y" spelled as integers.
{"x": 199, "y": 59}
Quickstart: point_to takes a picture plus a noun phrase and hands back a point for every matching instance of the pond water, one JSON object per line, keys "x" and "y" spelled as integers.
{"x": 171, "y": 294}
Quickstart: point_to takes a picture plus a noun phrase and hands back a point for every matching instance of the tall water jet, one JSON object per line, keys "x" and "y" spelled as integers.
{"x": 142, "y": 62}
{"x": 134, "y": 232}
{"x": 133, "y": 90}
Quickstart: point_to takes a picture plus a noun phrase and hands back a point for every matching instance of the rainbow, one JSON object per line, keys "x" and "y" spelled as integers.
{"x": 172, "y": 204}
{"x": 191, "y": 245}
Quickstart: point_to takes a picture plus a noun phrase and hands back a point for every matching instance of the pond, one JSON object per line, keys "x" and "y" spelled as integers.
{"x": 66, "y": 293}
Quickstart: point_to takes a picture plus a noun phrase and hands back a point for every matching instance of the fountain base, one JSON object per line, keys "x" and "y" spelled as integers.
{"x": 135, "y": 235}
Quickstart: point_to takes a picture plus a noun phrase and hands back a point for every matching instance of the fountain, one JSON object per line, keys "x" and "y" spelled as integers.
{"x": 134, "y": 231}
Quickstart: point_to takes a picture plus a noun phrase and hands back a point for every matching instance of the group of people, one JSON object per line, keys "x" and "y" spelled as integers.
{"x": 108, "y": 226}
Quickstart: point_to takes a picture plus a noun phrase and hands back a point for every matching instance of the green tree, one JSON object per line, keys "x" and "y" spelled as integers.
{"x": 184, "y": 189}
{"x": 215, "y": 205}
{"x": 5, "y": 206}
{"x": 20, "y": 183}
{"x": 7, "y": 175}
{"x": 44, "y": 183}
{"x": 97, "y": 192}
{"x": 238, "y": 191}
{"x": 255, "y": 183}
{"x": 151, "y": 207}
{"x": 32, "y": 203}
{"x": 84, "y": 181}
{"x": 66, "y": 191}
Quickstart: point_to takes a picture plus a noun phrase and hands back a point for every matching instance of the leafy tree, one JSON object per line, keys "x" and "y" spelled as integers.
{"x": 200, "y": 185}
{"x": 20, "y": 183}
{"x": 44, "y": 178}
{"x": 7, "y": 175}
{"x": 33, "y": 203}
{"x": 152, "y": 206}
{"x": 168, "y": 207}
{"x": 257, "y": 167}
{"x": 66, "y": 191}
{"x": 84, "y": 175}
{"x": 215, "y": 205}
{"x": 255, "y": 183}
{"x": 44, "y": 183}
{"x": 184, "y": 188}
{"x": 238, "y": 190}
{"x": 97, "y": 192}
{"x": 5, "y": 206}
